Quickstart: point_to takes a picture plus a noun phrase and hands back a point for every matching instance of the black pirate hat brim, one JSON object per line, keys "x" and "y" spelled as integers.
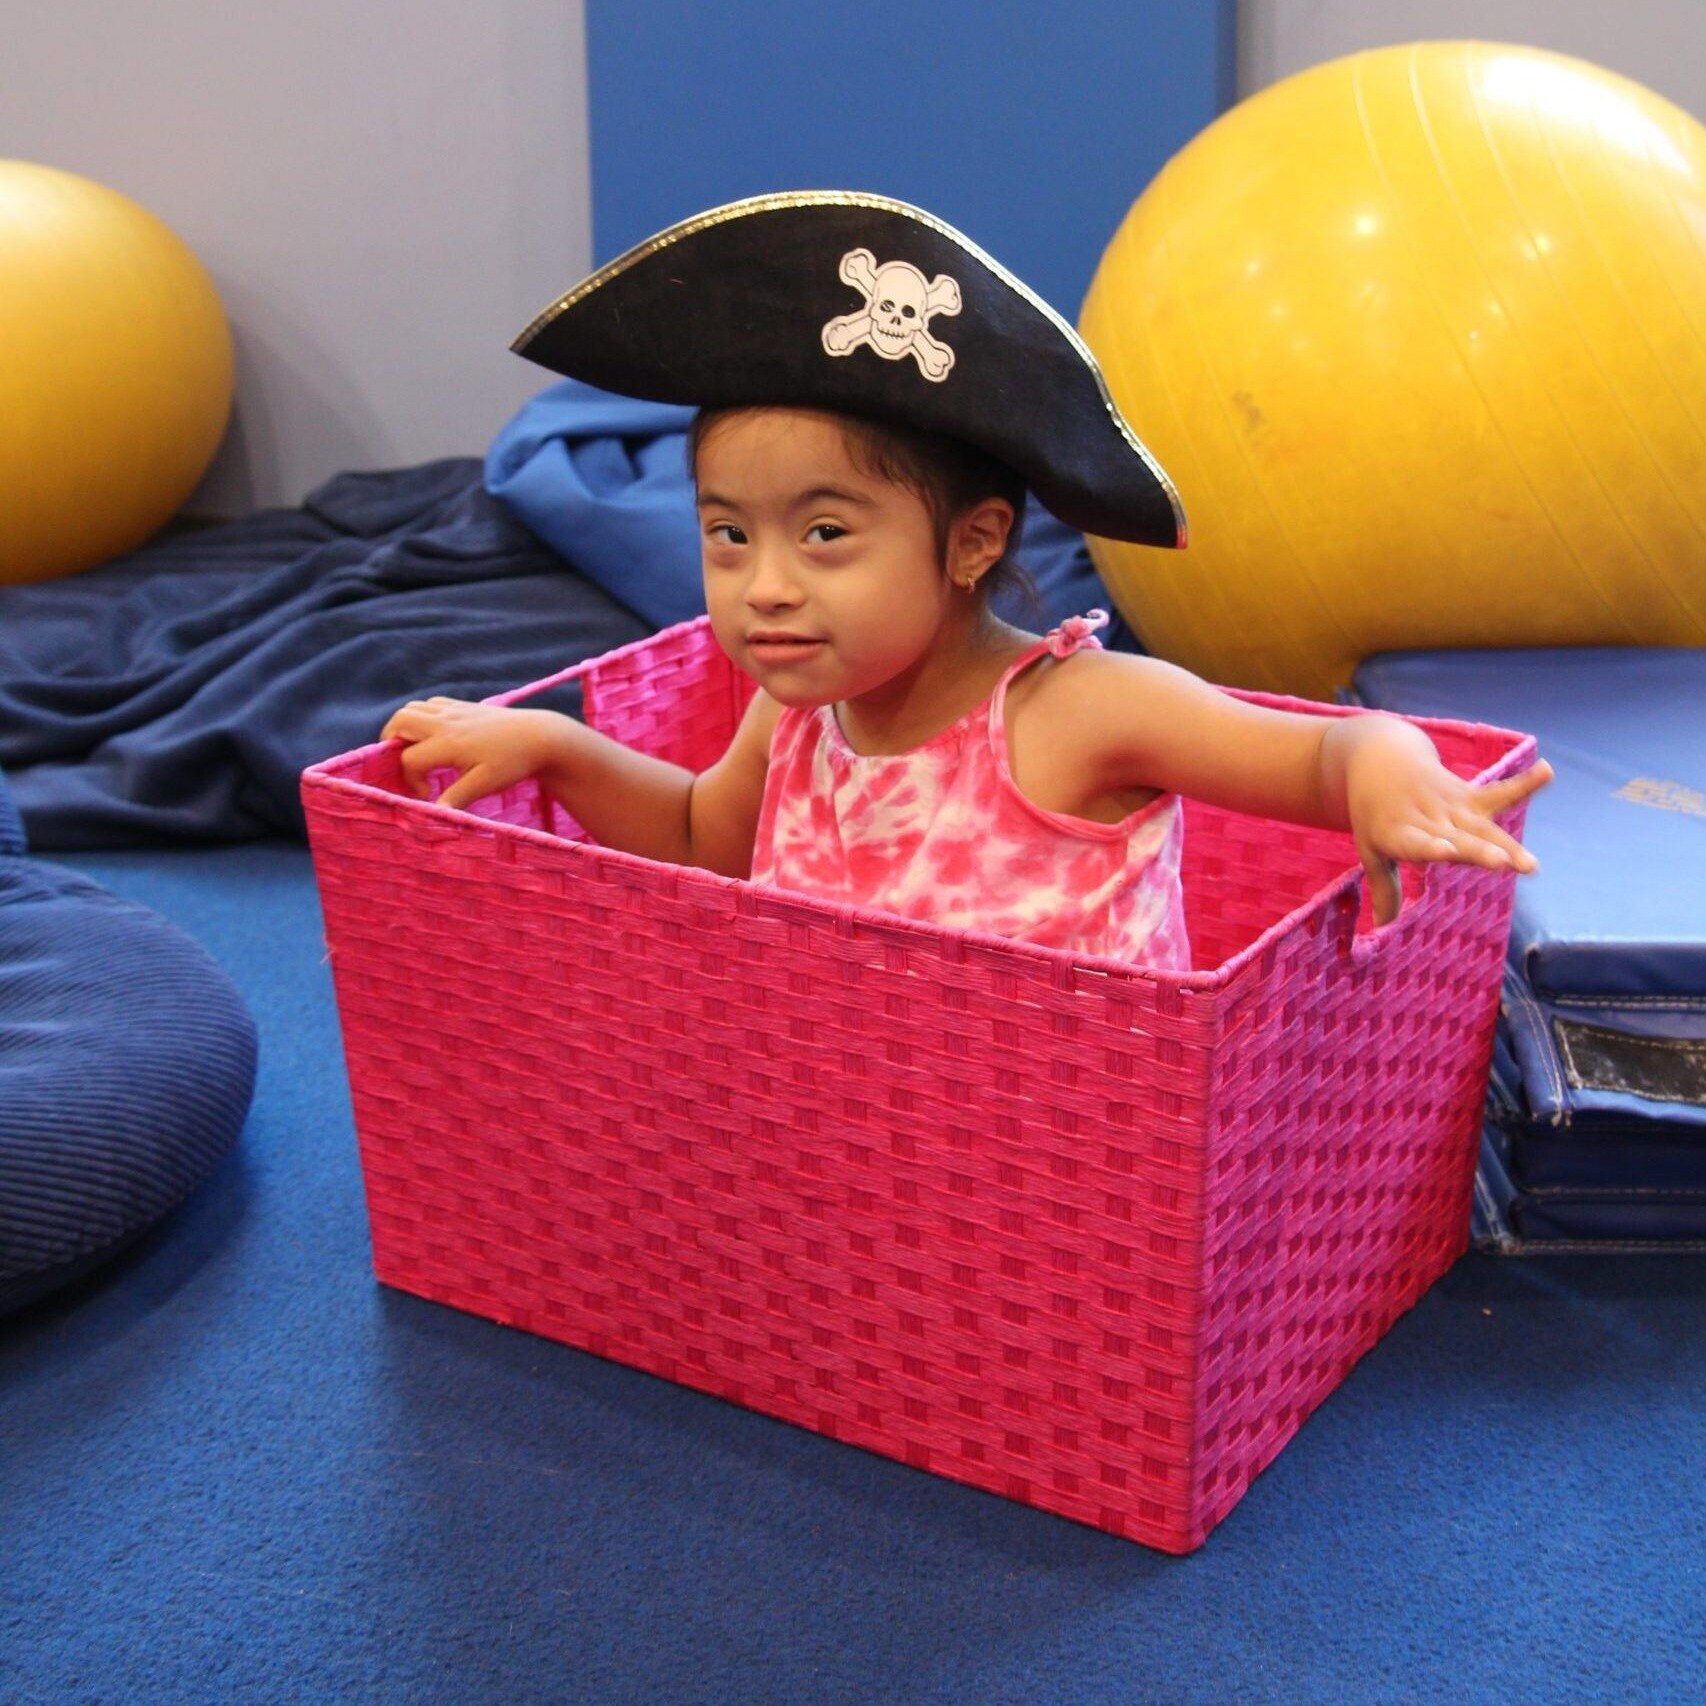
{"x": 738, "y": 305}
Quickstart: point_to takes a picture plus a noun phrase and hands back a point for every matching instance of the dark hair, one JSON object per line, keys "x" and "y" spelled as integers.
{"x": 949, "y": 475}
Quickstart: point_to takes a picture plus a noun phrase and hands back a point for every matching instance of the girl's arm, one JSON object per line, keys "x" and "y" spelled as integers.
{"x": 723, "y": 805}
{"x": 620, "y": 797}
{"x": 1152, "y": 724}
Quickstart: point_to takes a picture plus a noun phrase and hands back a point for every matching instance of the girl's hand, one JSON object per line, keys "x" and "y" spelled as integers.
{"x": 1417, "y": 809}
{"x": 494, "y": 746}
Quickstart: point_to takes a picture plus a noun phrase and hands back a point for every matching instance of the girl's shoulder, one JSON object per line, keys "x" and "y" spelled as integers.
{"x": 1084, "y": 686}
{"x": 1085, "y": 717}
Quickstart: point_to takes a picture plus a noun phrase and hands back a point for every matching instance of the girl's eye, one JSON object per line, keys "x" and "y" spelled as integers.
{"x": 717, "y": 527}
{"x": 830, "y": 528}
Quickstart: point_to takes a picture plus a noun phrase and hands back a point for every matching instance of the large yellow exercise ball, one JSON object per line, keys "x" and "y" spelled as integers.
{"x": 1420, "y": 336}
{"x": 116, "y": 372}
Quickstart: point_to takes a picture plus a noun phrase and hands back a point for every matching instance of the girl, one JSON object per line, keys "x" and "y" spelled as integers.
{"x": 859, "y": 475}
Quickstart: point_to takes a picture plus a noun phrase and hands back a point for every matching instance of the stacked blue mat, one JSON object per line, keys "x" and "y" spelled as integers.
{"x": 1596, "y": 1117}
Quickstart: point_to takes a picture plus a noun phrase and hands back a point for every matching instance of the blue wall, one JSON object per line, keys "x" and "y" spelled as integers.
{"x": 1032, "y": 127}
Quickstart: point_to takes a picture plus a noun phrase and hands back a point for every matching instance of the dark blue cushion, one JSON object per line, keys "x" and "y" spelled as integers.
{"x": 127, "y": 1063}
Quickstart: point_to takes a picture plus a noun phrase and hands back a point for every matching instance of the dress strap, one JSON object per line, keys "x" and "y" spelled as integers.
{"x": 1074, "y": 632}
{"x": 1063, "y": 641}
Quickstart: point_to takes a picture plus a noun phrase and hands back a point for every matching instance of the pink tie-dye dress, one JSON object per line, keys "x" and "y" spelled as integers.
{"x": 942, "y": 833}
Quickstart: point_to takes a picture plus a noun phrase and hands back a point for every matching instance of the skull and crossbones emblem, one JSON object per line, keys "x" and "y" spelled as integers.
{"x": 894, "y": 320}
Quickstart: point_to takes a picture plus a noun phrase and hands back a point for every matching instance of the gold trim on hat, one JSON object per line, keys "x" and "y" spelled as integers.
{"x": 883, "y": 203}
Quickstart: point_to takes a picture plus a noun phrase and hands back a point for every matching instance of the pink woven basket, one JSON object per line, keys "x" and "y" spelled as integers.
{"x": 1085, "y": 1235}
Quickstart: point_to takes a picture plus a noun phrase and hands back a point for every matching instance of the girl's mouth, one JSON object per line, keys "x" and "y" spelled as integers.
{"x": 784, "y": 651}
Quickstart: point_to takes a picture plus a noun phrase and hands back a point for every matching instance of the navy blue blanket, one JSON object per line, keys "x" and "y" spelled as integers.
{"x": 179, "y": 692}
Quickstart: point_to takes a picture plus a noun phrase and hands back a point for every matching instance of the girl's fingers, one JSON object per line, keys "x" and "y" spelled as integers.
{"x": 417, "y": 760}
{"x": 1385, "y": 886}
{"x": 472, "y": 784}
{"x": 1478, "y": 851}
{"x": 1496, "y": 796}
{"x": 1508, "y": 844}
{"x": 1471, "y": 842}
{"x": 414, "y": 715}
{"x": 1472, "y": 847}
{"x": 1421, "y": 843}
{"x": 1418, "y": 842}
{"x": 1476, "y": 829}
{"x": 421, "y": 715}
{"x": 1439, "y": 846}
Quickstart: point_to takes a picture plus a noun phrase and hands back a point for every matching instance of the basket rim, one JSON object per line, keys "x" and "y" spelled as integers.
{"x": 1343, "y": 891}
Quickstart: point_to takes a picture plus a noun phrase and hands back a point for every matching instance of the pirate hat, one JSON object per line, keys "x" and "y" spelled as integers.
{"x": 834, "y": 299}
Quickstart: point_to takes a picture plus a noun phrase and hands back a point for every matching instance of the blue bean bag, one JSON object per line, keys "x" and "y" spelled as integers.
{"x": 127, "y": 1063}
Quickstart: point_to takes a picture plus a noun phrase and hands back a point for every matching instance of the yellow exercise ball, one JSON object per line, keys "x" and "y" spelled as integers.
{"x": 1420, "y": 335}
{"x": 116, "y": 372}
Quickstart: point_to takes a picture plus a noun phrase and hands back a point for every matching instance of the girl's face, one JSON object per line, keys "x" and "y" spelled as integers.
{"x": 797, "y": 542}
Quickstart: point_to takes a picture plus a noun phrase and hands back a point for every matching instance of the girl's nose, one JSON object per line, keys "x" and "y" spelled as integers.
{"x": 771, "y": 582}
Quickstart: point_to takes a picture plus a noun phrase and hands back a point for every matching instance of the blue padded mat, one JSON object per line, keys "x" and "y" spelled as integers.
{"x": 1597, "y": 1182}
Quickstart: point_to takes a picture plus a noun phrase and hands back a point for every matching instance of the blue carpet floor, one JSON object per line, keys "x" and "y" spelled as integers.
{"x": 234, "y": 1468}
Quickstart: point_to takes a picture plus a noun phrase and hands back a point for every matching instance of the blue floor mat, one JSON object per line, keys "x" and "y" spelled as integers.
{"x": 236, "y": 1469}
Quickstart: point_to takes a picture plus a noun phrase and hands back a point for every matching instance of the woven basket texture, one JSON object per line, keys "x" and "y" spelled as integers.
{"x": 1076, "y": 1232}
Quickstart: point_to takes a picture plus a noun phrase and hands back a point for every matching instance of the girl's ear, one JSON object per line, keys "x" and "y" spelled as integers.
{"x": 979, "y": 538}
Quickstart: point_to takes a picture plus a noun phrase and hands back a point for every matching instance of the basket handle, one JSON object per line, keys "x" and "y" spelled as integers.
{"x": 1361, "y": 946}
